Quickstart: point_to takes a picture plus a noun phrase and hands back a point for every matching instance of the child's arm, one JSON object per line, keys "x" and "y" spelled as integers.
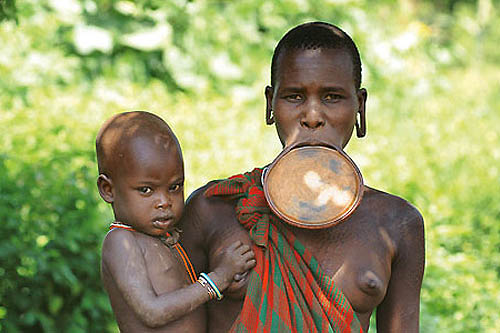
{"x": 123, "y": 258}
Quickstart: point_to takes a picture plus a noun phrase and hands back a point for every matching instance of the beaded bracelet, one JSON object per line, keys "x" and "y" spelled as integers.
{"x": 212, "y": 284}
{"x": 206, "y": 285}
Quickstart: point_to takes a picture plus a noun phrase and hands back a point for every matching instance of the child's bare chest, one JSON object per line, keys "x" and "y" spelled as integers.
{"x": 165, "y": 269}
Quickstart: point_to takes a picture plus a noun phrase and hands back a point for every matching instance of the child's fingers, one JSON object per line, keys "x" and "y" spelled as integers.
{"x": 250, "y": 264}
{"x": 243, "y": 248}
{"x": 240, "y": 276}
{"x": 248, "y": 255}
{"x": 236, "y": 285}
{"x": 234, "y": 245}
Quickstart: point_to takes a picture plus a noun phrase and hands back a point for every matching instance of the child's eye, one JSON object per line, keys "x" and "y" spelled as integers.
{"x": 175, "y": 187}
{"x": 145, "y": 189}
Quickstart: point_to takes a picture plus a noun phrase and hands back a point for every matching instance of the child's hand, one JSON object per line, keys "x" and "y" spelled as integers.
{"x": 235, "y": 260}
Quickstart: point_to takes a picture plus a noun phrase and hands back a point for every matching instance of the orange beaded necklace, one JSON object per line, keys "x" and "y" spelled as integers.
{"x": 176, "y": 246}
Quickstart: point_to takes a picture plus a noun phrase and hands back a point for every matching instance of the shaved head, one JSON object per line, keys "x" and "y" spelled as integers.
{"x": 116, "y": 138}
{"x": 316, "y": 35}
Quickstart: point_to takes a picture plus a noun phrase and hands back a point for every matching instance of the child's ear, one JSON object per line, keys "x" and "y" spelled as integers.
{"x": 105, "y": 186}
{"x": 269, "y": 105}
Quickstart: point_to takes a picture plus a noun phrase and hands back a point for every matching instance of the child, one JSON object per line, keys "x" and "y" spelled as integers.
{"x": 145, "y": 271}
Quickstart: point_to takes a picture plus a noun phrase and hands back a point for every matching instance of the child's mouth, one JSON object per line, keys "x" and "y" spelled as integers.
{"x": 163, "y": 222}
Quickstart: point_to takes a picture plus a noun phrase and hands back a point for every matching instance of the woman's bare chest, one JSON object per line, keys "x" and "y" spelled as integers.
{"x": 358, "y": 263}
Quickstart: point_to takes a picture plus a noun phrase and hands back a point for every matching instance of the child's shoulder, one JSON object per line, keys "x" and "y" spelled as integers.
{"x": 122, "y": 242}
{"x": 119, "y": 241}
{"x": 122, "y": 234}
{"x": 119, "y": 235}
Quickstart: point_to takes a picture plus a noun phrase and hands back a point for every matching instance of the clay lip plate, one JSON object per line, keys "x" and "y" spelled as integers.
{"x": 313, "y": 186}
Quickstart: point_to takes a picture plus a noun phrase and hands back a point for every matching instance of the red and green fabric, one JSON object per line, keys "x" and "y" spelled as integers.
{"x": 287, "y": 290}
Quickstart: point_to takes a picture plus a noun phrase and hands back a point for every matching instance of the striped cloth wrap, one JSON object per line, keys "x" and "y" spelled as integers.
{"x": 287, "y": 290}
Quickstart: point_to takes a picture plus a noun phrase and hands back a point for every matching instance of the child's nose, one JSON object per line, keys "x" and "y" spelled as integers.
{"x": 163, "y": 201}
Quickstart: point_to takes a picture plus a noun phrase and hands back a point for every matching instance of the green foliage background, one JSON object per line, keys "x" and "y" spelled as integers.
{"x": 431, "y": 70}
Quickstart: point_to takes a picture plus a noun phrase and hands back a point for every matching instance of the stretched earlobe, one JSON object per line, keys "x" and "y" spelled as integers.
{"x": 269, "y": 116}
{"x": 105, "y": 187}
{"x": 269, "y": 105}
{"x": 361, "y": 125}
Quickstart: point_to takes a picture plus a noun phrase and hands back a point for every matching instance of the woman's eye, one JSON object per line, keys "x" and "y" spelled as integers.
{"x": 332, "y": 97}
{"x": 145, "y": 189}
{"x": 294, "y": 98}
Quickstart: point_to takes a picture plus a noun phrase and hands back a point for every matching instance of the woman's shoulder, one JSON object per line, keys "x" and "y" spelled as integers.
{"x": 391, "y": 209}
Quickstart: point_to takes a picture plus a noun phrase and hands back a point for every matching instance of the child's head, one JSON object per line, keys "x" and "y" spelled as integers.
{"x": 315, "y": 93}
{"x": 141, "y": 172}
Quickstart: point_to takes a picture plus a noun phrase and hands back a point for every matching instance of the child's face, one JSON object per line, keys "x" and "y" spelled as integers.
{"x": 149, "y": 187}
{"x": 314, "y": 98}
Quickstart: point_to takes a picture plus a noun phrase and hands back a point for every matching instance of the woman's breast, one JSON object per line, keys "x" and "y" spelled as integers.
{"x": 361, "y": 276}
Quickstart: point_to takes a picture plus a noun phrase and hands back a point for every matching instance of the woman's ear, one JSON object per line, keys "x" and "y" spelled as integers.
{"x": 105, "y": 186}
{"x": 269, "y": 105}
{"x": 361, "y": 124}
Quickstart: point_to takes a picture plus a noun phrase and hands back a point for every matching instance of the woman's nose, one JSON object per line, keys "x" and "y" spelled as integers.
{"x": 313, "y": 117}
